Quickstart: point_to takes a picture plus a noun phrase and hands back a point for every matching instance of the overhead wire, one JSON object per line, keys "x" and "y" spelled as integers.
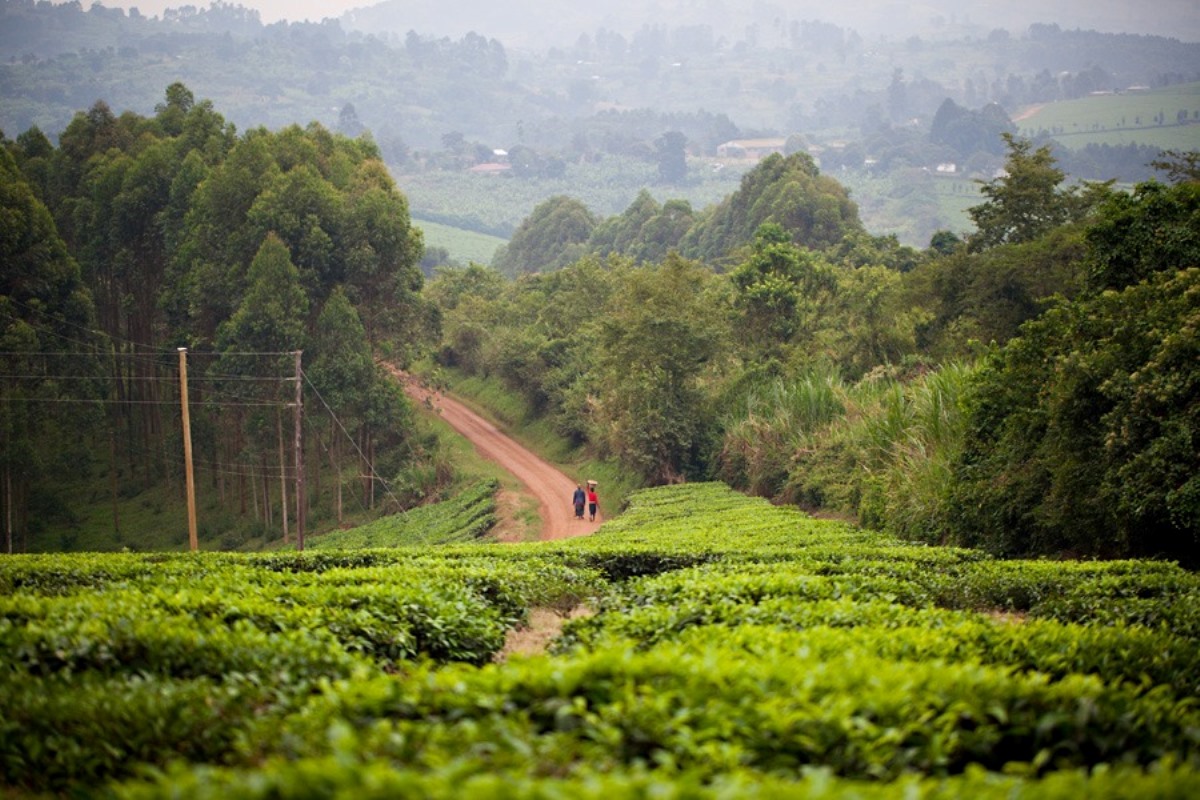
{"x": 123, "y": 350}
{"x": 374, "y": 475}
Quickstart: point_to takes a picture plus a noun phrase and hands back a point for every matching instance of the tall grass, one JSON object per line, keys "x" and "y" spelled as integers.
{"x": 772, "y": 423}
{"x": 882, "y": 449}
{"x": 908, "y": 491}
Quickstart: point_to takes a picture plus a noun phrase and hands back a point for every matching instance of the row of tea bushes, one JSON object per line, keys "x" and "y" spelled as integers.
{"x": 345, "y": 776}
{"x": 735, "y": 650}
{"x": 111, "y": 662}
{"x": 463, "y": 518}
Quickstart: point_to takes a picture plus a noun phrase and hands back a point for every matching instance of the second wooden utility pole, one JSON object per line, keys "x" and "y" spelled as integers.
{"x": 301, "y": 499}
{"x": 193, "y": 541}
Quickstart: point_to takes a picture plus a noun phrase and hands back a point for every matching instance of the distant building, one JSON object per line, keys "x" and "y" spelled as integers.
{"x": 753, "y": 149}
{"x": 947, "y": 168}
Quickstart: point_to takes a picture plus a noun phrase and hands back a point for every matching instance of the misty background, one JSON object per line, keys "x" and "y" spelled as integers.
{"x": 484, "y": 110}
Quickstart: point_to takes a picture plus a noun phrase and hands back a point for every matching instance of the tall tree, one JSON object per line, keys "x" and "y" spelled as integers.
{"x": 256, "y": 343}
{"x": 815, "y": 210}
{"x": 655, "y": 341}
{"x": 1025, "y": 201}
{"x": 45, "y": 317}
{"x": 772, "y": 286}
{"x": 342, "y": 372}
{"x": 551, "y": 237}
{"x": 671, "y": 149}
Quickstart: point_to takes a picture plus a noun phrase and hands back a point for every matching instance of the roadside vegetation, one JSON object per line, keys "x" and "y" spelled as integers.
{"x": 985, "y": 391}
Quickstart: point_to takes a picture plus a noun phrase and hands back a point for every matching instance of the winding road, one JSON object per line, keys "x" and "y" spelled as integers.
{"x": 550, "y": 487}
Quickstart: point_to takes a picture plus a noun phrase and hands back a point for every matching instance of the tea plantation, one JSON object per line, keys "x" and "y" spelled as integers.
{"x": 736, "y": 649}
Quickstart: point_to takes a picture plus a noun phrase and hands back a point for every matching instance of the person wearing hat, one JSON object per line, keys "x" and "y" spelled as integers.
{"x": 593, "y": 501}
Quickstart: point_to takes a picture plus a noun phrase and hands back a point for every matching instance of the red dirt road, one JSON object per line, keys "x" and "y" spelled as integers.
{"x": 550, "y": 487}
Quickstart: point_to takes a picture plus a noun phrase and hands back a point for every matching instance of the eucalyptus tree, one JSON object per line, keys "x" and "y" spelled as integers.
{"x": 255, "y": 364}
{"x": 46, "y": 368}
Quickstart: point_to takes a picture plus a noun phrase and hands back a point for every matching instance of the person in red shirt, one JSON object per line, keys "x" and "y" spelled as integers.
{"x": 593, "y": 502}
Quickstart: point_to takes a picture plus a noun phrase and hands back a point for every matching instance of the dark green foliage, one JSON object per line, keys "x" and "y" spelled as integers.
{"x": 46, "y": 318}
{"x": 551, "y": 237}
{"x": 186, "y": 234}
{"x": 986, "y": 296}
{"x": 654, "y": 343}
{"x": 779, "y": 290}
{"x": 672, "y": 157}
{"x": 1154, "y": 228}
{"x": 646, "y": 231}
{"x": 969, "y": 132}
{"x": 1084, "y": 431}
{"x": 1025, "y": 202}
{"x": 814, "y": 210}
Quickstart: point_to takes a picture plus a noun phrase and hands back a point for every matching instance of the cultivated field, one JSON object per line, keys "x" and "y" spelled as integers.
{"x": 1168, "y": 118}
{"x": 732, "y": 649}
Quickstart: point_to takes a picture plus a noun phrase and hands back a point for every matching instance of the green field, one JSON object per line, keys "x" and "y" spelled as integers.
{"x": 464, "y": 246}
{"x": 729, "y": 648}
{"x": 1147, "y": 117}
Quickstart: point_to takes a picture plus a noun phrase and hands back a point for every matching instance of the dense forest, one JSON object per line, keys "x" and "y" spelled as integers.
{"x": 137, "y": 236}
{"x": 1030, "y": 388}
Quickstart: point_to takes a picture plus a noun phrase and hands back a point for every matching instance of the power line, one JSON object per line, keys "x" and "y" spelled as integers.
{"x": 374, "y": 475}
{"x": 120, "y": 402}
{"x": 143, "y": 378}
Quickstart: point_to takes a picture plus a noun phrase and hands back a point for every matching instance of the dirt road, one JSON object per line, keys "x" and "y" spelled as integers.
{"x": 550, "y": 487}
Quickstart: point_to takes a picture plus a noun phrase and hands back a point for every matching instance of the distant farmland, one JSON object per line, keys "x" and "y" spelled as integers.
{"x": 1168, "y": 118}
{"x": 463, "y": 245}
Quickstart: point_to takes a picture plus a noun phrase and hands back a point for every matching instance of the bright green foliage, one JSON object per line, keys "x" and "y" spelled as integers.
{"x": 463, "y": 518}
{"x": 737, "y": 649}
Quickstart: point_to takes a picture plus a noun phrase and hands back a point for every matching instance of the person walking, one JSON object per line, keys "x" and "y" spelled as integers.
{"x": 578, "y": 501}
{"x": 593, "y": 501}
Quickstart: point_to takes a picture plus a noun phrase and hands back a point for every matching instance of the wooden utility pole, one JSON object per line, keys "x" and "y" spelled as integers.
{"x": 301, "y": 498}
{"x": 193, "y": 542}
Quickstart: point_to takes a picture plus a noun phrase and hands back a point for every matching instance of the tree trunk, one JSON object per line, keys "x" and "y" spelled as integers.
{"x": 8, "y": 509}
{"x": 335, "y": 453}
{"x": 241, "y": 473}
{"x": 268, "y": 511}
{"x": 283, "y": 477}
{"x": 112, "y": 479}
{"x": 371, "y": 467}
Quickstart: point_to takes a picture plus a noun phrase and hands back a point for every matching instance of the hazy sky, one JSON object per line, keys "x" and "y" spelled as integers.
{"x": 1175, "y": 18}
{"x": 270, "y": 10}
